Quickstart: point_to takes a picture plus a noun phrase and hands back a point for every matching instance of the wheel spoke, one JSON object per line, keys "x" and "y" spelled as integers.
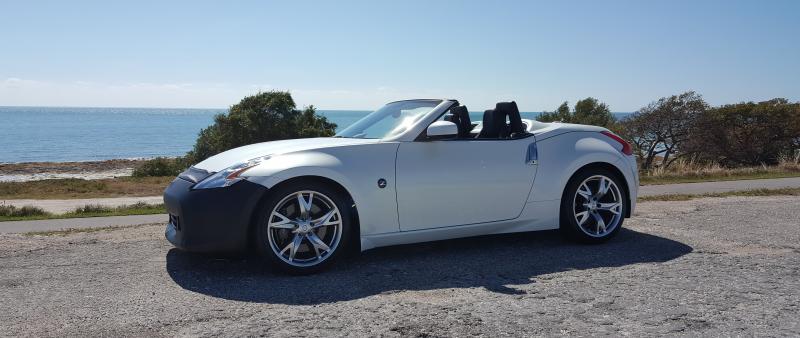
{"x": 325, "y": 220}
{"x": 295, "y": 245}
{"x": 318, "y": 243}
{"x": 614, "y": 207}
{"x": 582, "y": 217}
{"x": 305, "y": 205}
{"x": 602, "y": 188}
{"x": 601, "y": 225}
{"x": 584, "y": 191}
{"x": 283, "y": 223}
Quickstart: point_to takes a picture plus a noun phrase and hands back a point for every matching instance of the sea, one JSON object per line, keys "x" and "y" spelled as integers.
{"x": 65, "y": 134}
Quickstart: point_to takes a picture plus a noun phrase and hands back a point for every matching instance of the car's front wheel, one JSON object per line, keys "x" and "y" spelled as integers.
{"x": 303, "y": 227}
{"x": 593, "y": 206}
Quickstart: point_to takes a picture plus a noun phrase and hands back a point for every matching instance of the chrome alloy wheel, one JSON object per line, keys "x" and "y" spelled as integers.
{"x": 304, "y": 228}
{"x": 597, "y": 206}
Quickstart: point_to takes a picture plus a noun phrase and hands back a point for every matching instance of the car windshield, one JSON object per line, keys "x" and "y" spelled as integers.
{"x": 393, "y": 119}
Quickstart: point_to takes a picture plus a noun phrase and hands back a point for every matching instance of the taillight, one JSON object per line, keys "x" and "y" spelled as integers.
{"x": 626, "y": 147}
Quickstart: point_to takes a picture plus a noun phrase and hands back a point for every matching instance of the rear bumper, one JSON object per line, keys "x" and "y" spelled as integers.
{"x": 211, "y": 220}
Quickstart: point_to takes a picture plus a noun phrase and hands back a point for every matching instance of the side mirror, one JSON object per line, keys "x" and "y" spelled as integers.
{"x": 440, "y": 129}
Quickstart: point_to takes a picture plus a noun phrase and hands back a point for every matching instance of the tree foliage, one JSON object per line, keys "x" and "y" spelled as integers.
{"x": 587, "y": 111}
{"x": 747, "y": 133}
{"x": 262, "y": 117}
{"x": 662, "y": 128}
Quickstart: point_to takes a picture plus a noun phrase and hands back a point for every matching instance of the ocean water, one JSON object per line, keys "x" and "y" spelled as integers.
{"x": 53, "y": 134}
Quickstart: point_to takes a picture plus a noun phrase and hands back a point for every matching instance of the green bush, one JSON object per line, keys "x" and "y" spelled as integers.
{"x": 13, "y": 211}
{"x": 160, "y": 166}
{"x": 587, "y": 111}
{"x": 259, "y": 118}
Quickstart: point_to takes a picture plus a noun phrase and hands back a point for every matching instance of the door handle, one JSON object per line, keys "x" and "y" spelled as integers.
{"x": 532, "y": 157}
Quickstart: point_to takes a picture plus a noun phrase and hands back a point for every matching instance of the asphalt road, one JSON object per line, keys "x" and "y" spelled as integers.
{"x": 79, "y": 223}
{"x": 63, "y": 206}
{"x": 704, "y": 267}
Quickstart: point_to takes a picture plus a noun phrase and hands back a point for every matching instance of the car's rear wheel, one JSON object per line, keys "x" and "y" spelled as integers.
{"x": 304, "y": 227}
{"x": 593, "y": 206}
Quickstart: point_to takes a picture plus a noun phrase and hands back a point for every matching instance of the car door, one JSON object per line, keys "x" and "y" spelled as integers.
{"x": 458, "y": 182}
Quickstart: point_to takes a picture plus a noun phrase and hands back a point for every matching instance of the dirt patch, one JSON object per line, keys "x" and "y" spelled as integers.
{"x": 30, "y": 171}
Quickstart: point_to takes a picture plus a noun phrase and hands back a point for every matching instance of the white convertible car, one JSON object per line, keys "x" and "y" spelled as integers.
{"x": 412, "y": 171}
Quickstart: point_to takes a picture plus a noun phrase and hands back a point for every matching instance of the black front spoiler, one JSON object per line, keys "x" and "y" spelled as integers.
{"x": 211, "y": 220}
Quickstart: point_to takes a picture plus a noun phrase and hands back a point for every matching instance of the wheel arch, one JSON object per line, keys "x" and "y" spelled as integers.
{"x": 612, "y": 168}
{"x": 356, "y": 242}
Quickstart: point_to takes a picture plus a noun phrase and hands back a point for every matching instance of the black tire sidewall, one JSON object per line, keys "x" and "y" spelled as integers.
{"x": 276, "y": 195}
{"x": 568, "y": 225}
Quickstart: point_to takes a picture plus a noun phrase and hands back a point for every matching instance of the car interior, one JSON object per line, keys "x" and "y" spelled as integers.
{"x": 502, "y": 122}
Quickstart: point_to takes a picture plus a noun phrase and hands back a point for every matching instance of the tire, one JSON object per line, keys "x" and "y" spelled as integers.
{"x": 301, "y": 240}
{"x": 588, "y": 216}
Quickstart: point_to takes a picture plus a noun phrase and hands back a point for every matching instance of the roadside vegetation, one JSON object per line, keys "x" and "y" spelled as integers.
{"x": 79, "y": 188}
{"x": 71, "y": 231}
{"x": 754, "y": 192}
{"x": 27, "y": 213}
{"x": 690, "y": 171}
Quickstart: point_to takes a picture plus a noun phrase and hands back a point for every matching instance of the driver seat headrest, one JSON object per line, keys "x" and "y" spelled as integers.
{"x": 460, "y": 116}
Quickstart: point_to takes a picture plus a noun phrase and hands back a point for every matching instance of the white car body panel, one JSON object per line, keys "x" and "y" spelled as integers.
{"x": 441, "y": 189}
{"x": 447, "y": 183}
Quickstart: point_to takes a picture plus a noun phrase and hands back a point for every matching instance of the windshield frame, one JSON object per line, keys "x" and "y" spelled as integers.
{"x": 422, "y": 122}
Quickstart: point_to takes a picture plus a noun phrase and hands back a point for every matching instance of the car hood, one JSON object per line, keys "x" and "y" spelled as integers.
{"x": 245, "y": 153}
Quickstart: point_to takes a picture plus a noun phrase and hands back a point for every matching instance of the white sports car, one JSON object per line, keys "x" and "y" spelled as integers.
{"x": 412, "y": 171}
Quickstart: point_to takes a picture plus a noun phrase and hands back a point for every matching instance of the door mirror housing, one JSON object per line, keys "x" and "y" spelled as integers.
{"x": 442, "y": 129}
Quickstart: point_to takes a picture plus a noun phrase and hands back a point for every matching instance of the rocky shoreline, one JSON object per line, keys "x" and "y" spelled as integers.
{"x": 32, "y": 171}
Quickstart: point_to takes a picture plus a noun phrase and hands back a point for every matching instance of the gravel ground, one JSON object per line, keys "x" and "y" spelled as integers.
{"x": 704, "y": 267}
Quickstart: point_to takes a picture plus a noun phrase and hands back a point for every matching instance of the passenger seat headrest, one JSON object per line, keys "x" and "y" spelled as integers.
{"x": 510, "y": 110}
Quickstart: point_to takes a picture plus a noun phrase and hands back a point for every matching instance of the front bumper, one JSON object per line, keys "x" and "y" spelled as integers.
{"x": 211, "y": 220}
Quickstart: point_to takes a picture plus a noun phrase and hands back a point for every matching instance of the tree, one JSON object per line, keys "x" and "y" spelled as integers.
{"x": 586, "y": 111}
{"x": 262, "y": 117}
{"x": 662, "y": 128}
{"x": 748, "y": 133}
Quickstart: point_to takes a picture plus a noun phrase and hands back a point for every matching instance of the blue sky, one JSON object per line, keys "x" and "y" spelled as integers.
{"x": 358, "y": 55}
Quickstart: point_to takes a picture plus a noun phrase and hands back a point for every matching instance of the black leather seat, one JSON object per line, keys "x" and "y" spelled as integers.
{"x": 460, "y": 116}
{"x": 510, "y": 110}
{"x": 494, "y": 125}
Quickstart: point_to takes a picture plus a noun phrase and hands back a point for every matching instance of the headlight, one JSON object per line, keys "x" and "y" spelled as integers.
{"x": 230, "y": 175}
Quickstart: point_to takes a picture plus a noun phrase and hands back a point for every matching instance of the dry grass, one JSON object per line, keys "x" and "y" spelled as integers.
{"x": 754, "y": 192}
{"x": 686, "y": 171}
{"x": 79, "y": 188}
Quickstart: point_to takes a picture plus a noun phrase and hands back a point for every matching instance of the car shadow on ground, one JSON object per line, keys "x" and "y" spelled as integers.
{"x": 496, "y": 262}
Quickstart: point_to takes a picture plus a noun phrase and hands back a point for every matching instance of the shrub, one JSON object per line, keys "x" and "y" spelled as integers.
{"x": 748, "y": 133}
{"x": 13, "y": 211}
{"x": 160, "y": 166}
{"x": 259, "y": 118}
{"x": 91, "y": 209}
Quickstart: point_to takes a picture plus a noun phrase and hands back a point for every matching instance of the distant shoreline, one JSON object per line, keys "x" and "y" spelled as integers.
{"x": 89, "y": 170}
